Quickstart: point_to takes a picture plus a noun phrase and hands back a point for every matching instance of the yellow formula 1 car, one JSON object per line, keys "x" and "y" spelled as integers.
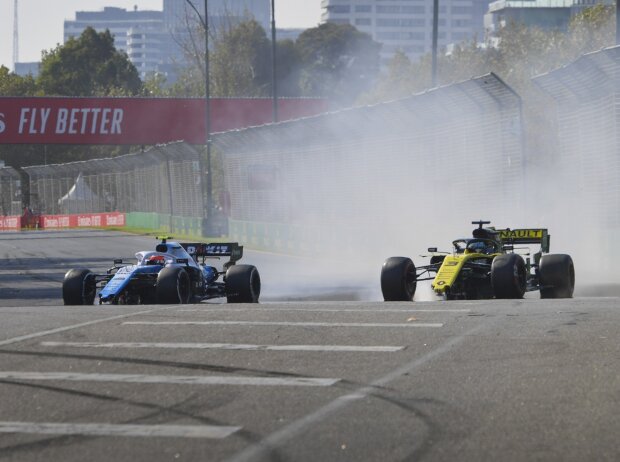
{"x": 485, "y": 266}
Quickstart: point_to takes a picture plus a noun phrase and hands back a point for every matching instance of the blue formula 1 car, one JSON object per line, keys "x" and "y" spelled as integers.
{"x": 172, "y": 273}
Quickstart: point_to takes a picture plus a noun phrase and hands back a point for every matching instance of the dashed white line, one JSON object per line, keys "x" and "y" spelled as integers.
{"x": 261, "y": 449}
{"x": 100, "y": 429}
{"x": 77, "y": 326}
{"x": 209, "y": 308}
{"x": 275, "y": 323}
{"x": 170, "y": 379}
{"x": 229, "y": 346}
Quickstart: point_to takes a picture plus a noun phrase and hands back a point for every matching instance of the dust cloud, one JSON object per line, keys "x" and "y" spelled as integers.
{"x": 363, "y": 185}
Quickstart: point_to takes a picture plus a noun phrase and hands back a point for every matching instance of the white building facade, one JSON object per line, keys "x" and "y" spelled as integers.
{"x": 140, "y": 34}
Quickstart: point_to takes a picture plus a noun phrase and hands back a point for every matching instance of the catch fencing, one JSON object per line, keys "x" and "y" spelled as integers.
{"x": 455, "y": 150}
{"x": 587, "y": 96}
{"x": 10, "y": 192}
{"x": 162, "y": 180}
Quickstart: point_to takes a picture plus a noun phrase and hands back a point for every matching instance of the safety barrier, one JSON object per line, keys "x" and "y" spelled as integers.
{"x": 10, "y": 192}
{"x": 164, "y": 179}
{"x": 10, "y": 223}
{"x": 586, "y": 172}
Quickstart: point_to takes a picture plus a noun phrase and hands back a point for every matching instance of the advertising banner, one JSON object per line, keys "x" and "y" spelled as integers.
{"x": 117, "y": 121}
{"x": 84, "y": 220}
{"x": 10, "y": 223}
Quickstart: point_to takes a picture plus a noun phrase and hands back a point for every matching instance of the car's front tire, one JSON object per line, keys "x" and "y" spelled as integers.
{"x": 173, "y": 286}
{"x": 557, "y": 276}
{"x": 242, "y": 284}
{"x": 508, "y": 276}
{"x": 398, "y": 279}
{"x": 79, "y": 287}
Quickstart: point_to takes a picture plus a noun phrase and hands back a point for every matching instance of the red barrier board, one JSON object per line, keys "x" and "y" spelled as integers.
{"x": 137, "y": 120}
{"x": 10, "y": 223}
{"x": 85, "y": 220}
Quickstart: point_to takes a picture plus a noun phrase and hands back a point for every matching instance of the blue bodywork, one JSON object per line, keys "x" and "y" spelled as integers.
{"x": 171, "y": 273}
{"x": 121, "y": 279}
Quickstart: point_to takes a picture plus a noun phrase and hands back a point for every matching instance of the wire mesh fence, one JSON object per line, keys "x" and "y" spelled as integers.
{"x": 10, "y": 192}
{"x": 456, "y": 149}
{"x": 586, "y": 192}
{"x": 165, "y": 179}
{"x": 587, "y": 93}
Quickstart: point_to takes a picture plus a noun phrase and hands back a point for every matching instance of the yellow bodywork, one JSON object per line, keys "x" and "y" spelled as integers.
{"x": 450, "y": 270}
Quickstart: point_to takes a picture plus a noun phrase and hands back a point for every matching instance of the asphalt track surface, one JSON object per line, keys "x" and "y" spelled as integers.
{"x": 305, "y": 380}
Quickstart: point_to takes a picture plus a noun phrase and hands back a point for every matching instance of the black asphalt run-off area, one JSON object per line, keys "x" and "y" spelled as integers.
{"x": 315, "y": 372}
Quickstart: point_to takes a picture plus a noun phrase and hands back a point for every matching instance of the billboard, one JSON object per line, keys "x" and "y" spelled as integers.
{"x": 61, "y": 120}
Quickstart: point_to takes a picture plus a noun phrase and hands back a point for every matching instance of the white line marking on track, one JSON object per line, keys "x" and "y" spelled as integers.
{"x": 100, "y": 429}
{"x": 76, "y": 326}
{"x": 267, "y": 445}
{"x": 289, "y": 324}
{"x": 208, "y": 309}
{"x": 229, "y": 346}
{"x": 170, "y": 379}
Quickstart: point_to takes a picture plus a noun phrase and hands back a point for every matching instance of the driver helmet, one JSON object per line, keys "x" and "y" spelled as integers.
{"x": 476, "y": 247}
{"x": 156, "y": 260}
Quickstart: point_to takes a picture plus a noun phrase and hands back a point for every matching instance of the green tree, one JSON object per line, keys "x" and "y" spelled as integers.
{"x": 12, "y": 84}
{"x": 517, "y": 53}
{"x": 592, "y": 29}
{"x": 338, "y": 61}
{"x": 88, "y": 66}
{"x": 240, "y": 61}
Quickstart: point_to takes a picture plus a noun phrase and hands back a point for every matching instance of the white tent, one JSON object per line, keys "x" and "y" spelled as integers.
{"x": 80, "y": 198}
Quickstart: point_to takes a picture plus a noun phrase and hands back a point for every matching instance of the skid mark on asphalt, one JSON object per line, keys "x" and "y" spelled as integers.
{"x": 170, "y": 379}
{"x": 205, "y": 431}
{"x": 275, "y": 440}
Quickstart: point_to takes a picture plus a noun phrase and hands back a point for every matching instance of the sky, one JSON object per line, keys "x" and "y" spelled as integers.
{"x": 41, "y": 21}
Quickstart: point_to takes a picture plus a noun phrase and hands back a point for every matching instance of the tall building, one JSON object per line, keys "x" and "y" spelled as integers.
{"x": 117, "y": 20}
{"x": 152, "y": 39}
{"x": 406, "y": 25}
{"x": 27, "y": 68}
{"x": 545, "y": 14}
{"x": 140, "y": 34}
{"x": 177, "y": 12}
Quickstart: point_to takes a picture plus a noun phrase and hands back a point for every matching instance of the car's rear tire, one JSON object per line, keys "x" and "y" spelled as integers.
{"x": 173, "y": 286}
{"x": 557, "y": 276}
{"x": 79, "y": 287}
{"x": 398, "y": 279}
{"x": 508, "y": 276}
{"x": 242, "y": 284}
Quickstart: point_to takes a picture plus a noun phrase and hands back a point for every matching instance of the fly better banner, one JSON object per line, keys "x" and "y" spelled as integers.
{"x": 117, "y": 121}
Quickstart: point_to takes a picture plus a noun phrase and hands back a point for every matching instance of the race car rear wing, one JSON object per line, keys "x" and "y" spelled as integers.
{"x": 199, "y": 249}
{"x": 526, "y": 236}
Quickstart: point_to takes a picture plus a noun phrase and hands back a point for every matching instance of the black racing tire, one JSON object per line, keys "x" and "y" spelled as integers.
{"x": 242, "y": 284}
{"x": 557, "y": 276}
{"x": 173, "y": 286}
{"x": 398, "y": 279}
{"x": 79, "y": 287}
{"x": 508, "y": 276}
